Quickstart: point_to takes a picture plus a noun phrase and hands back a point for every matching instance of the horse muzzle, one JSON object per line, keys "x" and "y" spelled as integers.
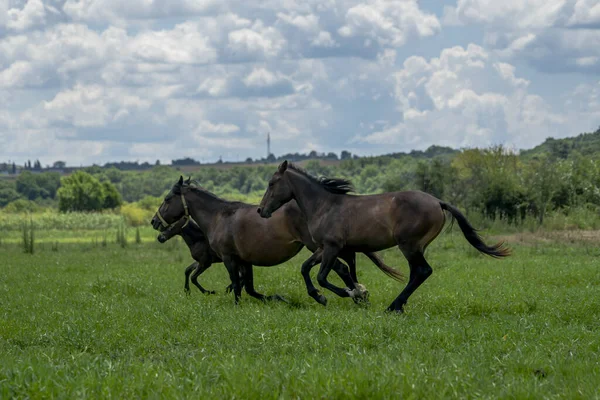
{"x": 157, "y": 224}
{"x": 264, "y": 213}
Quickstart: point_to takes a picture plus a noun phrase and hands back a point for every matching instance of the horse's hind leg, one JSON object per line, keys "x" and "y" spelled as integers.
{"x": 233, "y": 268}
{"x": 420, "y": 270}
{"x": 355, "y": 290}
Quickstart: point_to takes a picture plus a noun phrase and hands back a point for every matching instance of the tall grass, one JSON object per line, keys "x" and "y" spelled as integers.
{"x": 28, "y": 237}
{"x": 585, "y": 218}
{"x": 61, "y": 221}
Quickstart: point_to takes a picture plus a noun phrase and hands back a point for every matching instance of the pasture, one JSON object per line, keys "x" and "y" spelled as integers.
{"x": 89, "y": 318}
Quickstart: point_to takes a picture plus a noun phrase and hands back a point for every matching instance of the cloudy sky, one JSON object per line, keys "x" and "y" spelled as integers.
{"x": 94, "y": 81}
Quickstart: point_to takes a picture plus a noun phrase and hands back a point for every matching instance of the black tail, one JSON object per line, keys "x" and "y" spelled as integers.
{"x": 389, "y": 271}
{"x": 498, "y": 250}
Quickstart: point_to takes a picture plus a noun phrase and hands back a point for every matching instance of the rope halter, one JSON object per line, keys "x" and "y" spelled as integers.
{"x": 187, "y": 216}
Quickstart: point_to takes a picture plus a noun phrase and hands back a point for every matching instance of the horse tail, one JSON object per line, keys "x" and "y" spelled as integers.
{"x": 389, "y": 271}
{"x": 497, "y": 250}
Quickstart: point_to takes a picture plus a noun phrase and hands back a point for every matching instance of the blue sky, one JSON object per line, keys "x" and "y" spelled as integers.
{"x": 96, "y": 81}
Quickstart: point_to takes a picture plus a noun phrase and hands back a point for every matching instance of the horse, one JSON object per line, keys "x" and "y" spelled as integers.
{"x": 241, "y": 239}
{"x": 199, "y": 249}
{"x": 338, "y": 221}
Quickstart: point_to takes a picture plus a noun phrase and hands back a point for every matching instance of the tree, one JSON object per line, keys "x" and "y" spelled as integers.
{"x": 346, "y": 155}
{"x": 59, "y": 164}
{"x": 83, "y": 192}
{"x": 33, "y": 186}
{"x": 543, "y": 183}
{"x": 112, "y": 197}
{"x": 14, "y": 169}
{"x": 37, "y": 165}
{"x": 7, "y": 193}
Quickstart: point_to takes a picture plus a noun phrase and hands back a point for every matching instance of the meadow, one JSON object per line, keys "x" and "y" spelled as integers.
{"x": 85, "y": 317}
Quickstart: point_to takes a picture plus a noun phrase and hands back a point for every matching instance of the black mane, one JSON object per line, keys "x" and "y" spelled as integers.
{"x": 229, "y": 206}
{"x": 333, "y": 185}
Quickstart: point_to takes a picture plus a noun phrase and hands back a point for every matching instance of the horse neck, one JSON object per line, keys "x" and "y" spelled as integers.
{"x": 191, "y": 234}
{"x": 203, "y": 207}
{"x": 308, "y": 194}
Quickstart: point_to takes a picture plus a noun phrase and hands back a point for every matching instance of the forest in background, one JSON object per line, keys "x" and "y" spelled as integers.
{"x": 560, "y": 176}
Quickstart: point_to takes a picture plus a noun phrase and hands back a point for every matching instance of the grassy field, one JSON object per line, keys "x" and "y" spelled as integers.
{"x": 86, "y": 320}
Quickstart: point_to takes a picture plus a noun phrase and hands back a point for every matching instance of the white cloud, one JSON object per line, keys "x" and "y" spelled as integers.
{"x": 544, "y": 32}
{"x": 184, "y": 44}
{"x": 389, "y": 22}
{"x": 31, "y": 15}
{"x": 92, "y": 106}
{"x": 117, "y": 11}
{"x": 256, "y": 43}
{"x": 586, "y": 13}
{"x": 117, "y": 79}
{"x": 447, "y": 100}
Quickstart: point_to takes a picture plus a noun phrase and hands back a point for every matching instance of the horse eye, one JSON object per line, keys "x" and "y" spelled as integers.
{"x": 270, "y": 184}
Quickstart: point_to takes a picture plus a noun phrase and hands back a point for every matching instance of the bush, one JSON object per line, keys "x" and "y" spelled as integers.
{"x": 21, "y": 206}
{"x": 136, "y": 216}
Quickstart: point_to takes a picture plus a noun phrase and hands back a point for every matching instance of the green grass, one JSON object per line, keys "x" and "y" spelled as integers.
{"x": 106, "y": 322}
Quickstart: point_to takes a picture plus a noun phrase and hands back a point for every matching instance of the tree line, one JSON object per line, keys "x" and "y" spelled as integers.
{"x": 496, "y": 181}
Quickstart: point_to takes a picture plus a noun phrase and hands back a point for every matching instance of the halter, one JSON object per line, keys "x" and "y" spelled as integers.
{"x": 187, "y": 216}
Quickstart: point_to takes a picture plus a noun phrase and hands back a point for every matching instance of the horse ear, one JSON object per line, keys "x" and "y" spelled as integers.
{"x": 283, "y": 167}
{"x": 188, "y": 180}
{"x": 180, "y": 180}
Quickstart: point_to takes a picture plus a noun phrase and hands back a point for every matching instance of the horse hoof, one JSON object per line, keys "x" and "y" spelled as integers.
{"x": 276, "y": 297}
{"x": 395, "y": 311}
{"x": 361, "y": 301}
{"x": 322, "y": 300}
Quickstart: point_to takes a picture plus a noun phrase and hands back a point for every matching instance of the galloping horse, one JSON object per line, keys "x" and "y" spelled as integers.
{"x": 340, "y": 222}
{"x": 239, "y": 237}
{"x": 199, "y": 249}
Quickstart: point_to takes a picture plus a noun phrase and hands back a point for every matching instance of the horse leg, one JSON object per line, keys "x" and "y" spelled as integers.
{"x": 233, "y": 267}
{"x": 229, "y": 288}
{"x": 358, "y": 292}
{"x": 188, "y": 271}
{"x": 419, "y": 272}
{"x": 200, "y": 267}
{"x": 355, "y": 290}
{"x": 330, "y": 254}
{"x": 249, "y": 285}
{"x": 307, "y": 265}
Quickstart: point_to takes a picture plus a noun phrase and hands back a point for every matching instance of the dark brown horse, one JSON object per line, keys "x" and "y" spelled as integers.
{"x": 199, "y": 249}
{"x": 239, "y": 237}
{"x": 337, "y": 221}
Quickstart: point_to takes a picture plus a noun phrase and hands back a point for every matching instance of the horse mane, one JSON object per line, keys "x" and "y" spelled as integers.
{"x": 229, "y": 206}
{"x": 332, "y": 185}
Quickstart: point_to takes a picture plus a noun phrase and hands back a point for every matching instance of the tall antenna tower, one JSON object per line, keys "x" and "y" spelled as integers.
{"x": 268, "y": 144}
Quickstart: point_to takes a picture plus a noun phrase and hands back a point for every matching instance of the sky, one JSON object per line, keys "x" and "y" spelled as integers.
{"x": 98, "y": 81}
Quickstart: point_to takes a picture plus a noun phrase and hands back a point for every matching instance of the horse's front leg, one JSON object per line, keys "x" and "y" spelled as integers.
{"x": 307, "y": 266}
{"x": 329, "y": 258}
{"x": 198, "y": 268}
{"x": 248, "y": 280}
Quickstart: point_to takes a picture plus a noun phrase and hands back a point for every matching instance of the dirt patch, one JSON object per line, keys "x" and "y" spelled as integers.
{"x": 570, "y": 236}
